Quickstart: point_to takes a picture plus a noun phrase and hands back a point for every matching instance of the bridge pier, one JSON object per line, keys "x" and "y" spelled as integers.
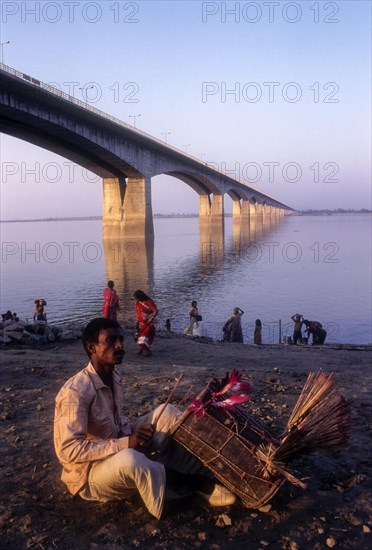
{"x": 211, "y": 210}
{"x": 259, "y": 210}
{"x": 113, "y": 197}
{"x": 245, "y": 211}
{"x": 236, "y": 211}
{"x": 137, "y": 208}
{"x": 127, "y": 205}
{"x": 252, "y": 210}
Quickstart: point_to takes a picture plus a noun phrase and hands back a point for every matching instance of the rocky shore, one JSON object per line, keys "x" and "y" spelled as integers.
{"x": 37, "y": 511}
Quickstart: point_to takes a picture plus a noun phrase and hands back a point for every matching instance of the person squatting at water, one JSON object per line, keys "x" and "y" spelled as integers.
{"x": 232, "y": 329}
{"x": 110, "y": 302}
{"x": 103, "y": 456}
{"x": 146, "y": 311}
{"x": 194, "y": 315}
{"x": 8, "y": 318}
{"x": 298, "y": 322}
{"x": 316, "y": 329}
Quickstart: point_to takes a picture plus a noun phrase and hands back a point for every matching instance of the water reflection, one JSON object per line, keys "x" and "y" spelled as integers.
{"x": 220, "y": 269}
{"x": 247, "y": 235}
{"x": 212, "y": 242}
{"x": 129, "y": 261}
{"x": 130, "y": 264}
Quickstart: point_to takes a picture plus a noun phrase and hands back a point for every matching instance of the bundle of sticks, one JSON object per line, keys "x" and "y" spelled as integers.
{"x": 320, "y": 421}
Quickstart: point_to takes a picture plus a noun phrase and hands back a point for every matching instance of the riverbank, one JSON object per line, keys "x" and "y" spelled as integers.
{"x": 37, "y": 512}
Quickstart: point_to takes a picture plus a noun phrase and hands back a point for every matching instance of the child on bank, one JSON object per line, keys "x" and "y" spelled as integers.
{"x": 257, "y": 338}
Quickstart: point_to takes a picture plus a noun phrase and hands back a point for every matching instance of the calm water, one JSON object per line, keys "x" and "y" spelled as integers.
{"x": 319, "y": 266}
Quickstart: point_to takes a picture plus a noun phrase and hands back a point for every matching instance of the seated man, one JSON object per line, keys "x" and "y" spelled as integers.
{"x": 103, "y": 456}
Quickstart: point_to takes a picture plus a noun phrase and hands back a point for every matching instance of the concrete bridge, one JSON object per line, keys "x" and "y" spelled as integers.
{"x": 126, "y": 158}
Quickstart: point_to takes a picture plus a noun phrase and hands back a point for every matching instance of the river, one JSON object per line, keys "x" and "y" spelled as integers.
{"x": 318, "y": 266}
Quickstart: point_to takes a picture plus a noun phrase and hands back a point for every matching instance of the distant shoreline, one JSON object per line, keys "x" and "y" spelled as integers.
{"x": 167, "y": 216}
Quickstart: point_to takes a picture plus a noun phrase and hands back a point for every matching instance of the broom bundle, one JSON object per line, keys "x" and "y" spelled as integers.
{"x": 320, "y": 420}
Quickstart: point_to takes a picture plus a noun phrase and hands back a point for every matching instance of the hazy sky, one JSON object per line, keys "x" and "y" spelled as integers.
{"x": 277, "y": 93}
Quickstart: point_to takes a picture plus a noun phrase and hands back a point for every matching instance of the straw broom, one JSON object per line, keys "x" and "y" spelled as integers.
{"x": 320, "y": 420}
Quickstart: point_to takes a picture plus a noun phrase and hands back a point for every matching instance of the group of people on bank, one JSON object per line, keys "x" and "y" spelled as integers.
{"x": 232, "y": 329}
{"x": 314, "y": 328}
{"x": 8, "y": 318}
{"x": 147, "y": 311}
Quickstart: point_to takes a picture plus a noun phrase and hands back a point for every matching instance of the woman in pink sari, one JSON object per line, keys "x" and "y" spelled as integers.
{"x": 110, "y": 302}
{"x": 146, "y": 311}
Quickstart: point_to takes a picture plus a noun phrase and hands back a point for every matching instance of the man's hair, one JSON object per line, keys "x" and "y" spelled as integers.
{"x": 93, "y": 328}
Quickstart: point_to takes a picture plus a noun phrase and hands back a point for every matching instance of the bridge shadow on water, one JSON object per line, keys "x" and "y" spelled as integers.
{"x": 131, "y": 262}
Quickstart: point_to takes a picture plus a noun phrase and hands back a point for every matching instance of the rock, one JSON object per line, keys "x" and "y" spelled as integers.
{"x": 28, "y": 337}
{"x": 223, "y": 520}
{"x": 14, "y": 327}
{"x": 330, "y": 542}
{"x": 354, "y": 520}
{"x": 5, "y": 339}
{"x": 50, "y": 335}
{"x": 265, "y": 509}
{"x": 14, "y": 335}
{"x": 366, "y": 529}
{"x": 66, "y": 336}
{"x": 202, "y": 536}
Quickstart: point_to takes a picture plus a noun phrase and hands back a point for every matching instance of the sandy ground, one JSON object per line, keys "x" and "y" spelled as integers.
{"x": 38, "y": 512}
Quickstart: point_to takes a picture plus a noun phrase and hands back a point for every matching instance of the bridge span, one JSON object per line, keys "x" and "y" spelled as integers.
{"x": 125, "y": 157}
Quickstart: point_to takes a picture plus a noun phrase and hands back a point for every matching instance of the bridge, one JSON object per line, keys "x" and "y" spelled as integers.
{"x": 125, "y": 157}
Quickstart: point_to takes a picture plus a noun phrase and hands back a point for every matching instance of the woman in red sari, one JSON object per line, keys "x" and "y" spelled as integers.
{"x": 110, "y": 302}
{"x": 146, "y": 311}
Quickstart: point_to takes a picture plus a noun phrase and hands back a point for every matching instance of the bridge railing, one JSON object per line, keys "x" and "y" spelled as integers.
{"x": 84, "y": 105}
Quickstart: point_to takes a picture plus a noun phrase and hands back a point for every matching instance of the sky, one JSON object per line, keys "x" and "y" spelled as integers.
{"x": 278, "y": 94}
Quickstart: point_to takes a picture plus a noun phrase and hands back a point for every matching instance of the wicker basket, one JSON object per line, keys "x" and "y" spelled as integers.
{"x": 227, "y": 443}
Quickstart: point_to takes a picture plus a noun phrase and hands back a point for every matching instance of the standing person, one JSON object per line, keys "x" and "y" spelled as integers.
{"x": 103, "y": 456}
{"x": 298, "y": 322}
{"x": 39, "y": 314}
{"x": 110, "y": 302}
{"x": 257, "y": 337}
{"x": 146, "y": 311}
{"x": 233, "y": 326}
{"x": 194, "y": 315}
